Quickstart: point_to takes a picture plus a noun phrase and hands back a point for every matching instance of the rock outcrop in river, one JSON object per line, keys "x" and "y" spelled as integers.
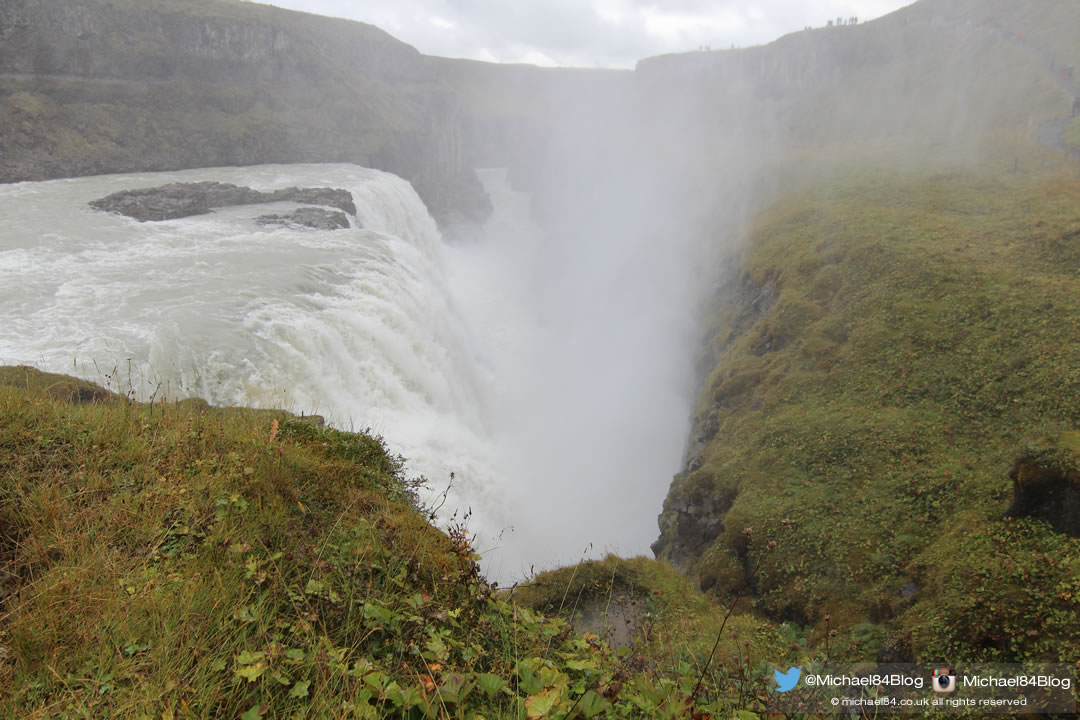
{"x": 177, "y": 200}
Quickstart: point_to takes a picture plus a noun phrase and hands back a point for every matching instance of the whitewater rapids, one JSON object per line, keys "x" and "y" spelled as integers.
{"x": 483, "y": 359}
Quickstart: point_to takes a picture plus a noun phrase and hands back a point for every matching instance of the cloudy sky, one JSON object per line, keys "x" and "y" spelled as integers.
{"x": 590, "y": 33}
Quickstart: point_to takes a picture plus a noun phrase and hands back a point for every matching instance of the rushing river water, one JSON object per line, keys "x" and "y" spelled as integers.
{"x": 491, "y": 359}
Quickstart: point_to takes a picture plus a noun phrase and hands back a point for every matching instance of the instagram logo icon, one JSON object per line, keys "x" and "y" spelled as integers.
{"x": 944, "y": 680}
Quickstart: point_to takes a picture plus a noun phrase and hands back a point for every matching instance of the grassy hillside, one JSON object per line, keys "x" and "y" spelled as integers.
{"x": 1072, "y": 134}
{"x": 182, "y": 561}
{"x": 889, "y": 345}
{"x": 896, "y": 340}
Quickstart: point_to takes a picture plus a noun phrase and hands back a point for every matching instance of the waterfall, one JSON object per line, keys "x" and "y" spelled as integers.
{"x": 488, "y": 359}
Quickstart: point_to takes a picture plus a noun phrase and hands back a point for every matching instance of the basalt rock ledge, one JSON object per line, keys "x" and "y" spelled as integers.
{"x": 178, "y": 200}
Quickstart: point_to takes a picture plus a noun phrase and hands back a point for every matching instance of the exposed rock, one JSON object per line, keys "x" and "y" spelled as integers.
{"x": 689, "y": 525}
{"x": 177, "y": 200}
{"x": 693, "y": 517}
{"x": 616, "y": 620}
{"x": 332, "y": 197}
{"x": 697, "y": 525}
{"x": 457, "y": 204}
{"x": 908, "y": 591}
{"x": 99, "y": 87}
{"x": 309, "y": 217}
{"x": 1046, "y": 485}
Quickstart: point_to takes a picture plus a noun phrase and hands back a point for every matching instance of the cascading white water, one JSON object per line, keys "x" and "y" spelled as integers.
{"x": 587, "y": 339}
{"x": 484, "y": 359}
{"x": 355, "y": 324}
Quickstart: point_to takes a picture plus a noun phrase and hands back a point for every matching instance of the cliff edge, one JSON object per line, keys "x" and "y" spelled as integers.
{"x": 105, "y": 87}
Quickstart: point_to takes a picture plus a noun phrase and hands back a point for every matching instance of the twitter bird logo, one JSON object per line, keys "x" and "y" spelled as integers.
{"x": 788, "y": 680}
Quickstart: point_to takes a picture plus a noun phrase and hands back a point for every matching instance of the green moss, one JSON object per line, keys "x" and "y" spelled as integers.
{"x": 1037, "y": 466}
{"x": 826, "y": 283}
{"x": 737, "y": 385}
{"x": 62, "y": 387}
{"x": 1072, "y": 133}
{"x": 671, "y": 614}
{"x": 923, "y": 332}
{"x": 178, "y": 559}
{"x": 720, "y": 571}
{"x": 1070, "y": 441}
{"x": 999, "y": 588}
{"x": 787, "y": 320}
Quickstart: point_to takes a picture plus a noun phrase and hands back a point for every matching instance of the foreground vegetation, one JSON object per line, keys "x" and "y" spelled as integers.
{"x": 181, "y": 561}
{"x": 890, "y": 345}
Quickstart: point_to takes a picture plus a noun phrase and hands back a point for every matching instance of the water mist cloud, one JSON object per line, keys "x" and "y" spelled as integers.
{"x": 589, "y": 355}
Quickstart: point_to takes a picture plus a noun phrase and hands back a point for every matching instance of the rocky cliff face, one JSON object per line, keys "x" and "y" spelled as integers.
{"x": 112, "y": 85}
{"x": 106, "y": 86}
{"x": 98, "y": 87}
{"x": 697, "y": 502}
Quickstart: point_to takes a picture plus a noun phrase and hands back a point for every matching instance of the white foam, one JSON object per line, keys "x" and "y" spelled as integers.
{"x": 528, "y": 366}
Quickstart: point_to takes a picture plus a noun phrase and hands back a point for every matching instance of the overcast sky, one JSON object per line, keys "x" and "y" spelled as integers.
{"x": 589, "y": 33}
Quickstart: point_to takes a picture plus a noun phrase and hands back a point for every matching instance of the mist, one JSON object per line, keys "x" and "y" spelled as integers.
{"x": 576, "y": 318}
{"x": 630, "y": 199}
{"x": 583, "y": 297}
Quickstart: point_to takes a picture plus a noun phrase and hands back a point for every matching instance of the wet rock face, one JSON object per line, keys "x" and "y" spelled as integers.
{"x": 308, "y": 217}
{"x": 1046, "y": 485}
{"x": 694, "y": 527}
{"x": 694, "y": 510}
{"x": 177, "y": 200}
{"x": 693, "y": 517}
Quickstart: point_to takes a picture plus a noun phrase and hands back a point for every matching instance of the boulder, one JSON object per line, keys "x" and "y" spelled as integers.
{"x": 177, "y": 200}
{"x": 693, "y": 517}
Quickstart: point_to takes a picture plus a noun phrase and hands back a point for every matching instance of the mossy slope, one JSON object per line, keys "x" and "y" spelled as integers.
{"x": 177, "y": 560}
{"x": 921, "y": 330}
